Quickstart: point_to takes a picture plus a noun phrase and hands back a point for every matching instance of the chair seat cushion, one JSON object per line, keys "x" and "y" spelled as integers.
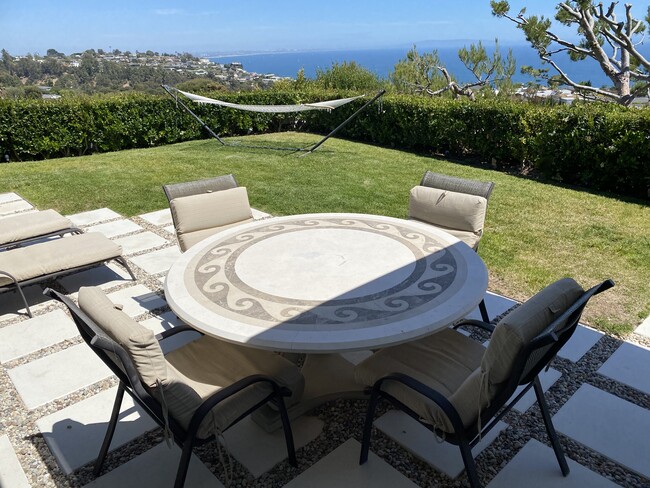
{"x": 205, "y": 366}
{"x": 32, "y": 224}
{"x": 444, "y": 361}
{"x": 57, "y": 255}
{"x": 448, "y": 209}
{"x": 188, "y": 239}
{"x": 470, "y": 238}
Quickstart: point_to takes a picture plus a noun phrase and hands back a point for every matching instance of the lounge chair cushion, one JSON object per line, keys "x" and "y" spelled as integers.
{"x": 56, "y": 255}
{"x": 205, "y": 366}
{"x": 138, "y": 341}
{"x": 523, "y": 324}
{"x": 31, "y": 224}
{"x": 449, "y": 210}
{"x": 212, "y": 210}
{"x": 446, "y": 361}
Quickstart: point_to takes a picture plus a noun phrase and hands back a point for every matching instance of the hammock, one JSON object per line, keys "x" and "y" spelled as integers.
{"x": 274, "y": 109}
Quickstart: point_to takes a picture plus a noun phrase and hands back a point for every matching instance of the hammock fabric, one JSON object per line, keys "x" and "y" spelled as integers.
{"x": 327, "y": 105}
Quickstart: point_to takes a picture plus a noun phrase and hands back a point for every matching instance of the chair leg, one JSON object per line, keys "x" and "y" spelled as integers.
{"x": 367, "y": 428}
{"x": 483, "y": 309}
{"x": 125, "y": 265}
{"x": 288, "y": 434}
{"x": 184, "y": 463}
{"x": 470, "y": 464}
{"x": 99, "y": 462}
{"x": 550, "y": 429}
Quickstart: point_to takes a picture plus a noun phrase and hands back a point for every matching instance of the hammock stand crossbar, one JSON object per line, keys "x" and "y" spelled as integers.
{"x": 328, "y": 105}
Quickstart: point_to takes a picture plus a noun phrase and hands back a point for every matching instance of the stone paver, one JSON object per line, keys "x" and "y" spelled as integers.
{"x": 9, "y": 197}
{"x": 136, "y": 300}
{"x": 31, "y": 335}
{"x": 105, "y": 276}
{"x": 157, "y": 468}
{"x": 630, "y": 365}
{"x": 495, "y": 305}
{"x": 116, "y": 228}
{"x": 644, "y": 328}
{"x": 341, "y": 469}
{"x": 159, "y": 217}
{"x": 583, "y": 339}
{"x": 157, "y": 261}
{"x": 75, "y": 434}
{"x": 547, "y": 379}
{"x": 9, "y": 208}
{"x": 140, "y": 242}
{"x": 46, "y": 379}
{"x": 11, "y": 472}
{"x": 608, "y": 424}
{"x": 421, "y": 442}
{"x": 12, "y": 306}
{"x": 535, "y": 466}
{"x": 93, "y": 216}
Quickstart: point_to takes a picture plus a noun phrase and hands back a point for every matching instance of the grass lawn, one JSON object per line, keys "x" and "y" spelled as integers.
{"x": 535, "y": 232}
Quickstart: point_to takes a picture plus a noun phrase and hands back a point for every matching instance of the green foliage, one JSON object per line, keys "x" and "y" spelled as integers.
{"x": 347, "y": 76}
{"x": 417, "y": 71}
{"x": 599, "y": 146}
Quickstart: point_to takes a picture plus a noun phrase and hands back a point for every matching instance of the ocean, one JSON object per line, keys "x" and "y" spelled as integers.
{"x": 382, "y": 61}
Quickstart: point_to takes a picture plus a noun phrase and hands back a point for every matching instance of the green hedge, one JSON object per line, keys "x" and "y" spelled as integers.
{"x": 602, "y": 147}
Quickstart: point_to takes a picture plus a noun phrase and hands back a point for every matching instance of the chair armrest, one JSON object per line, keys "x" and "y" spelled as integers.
{"x": 173, "y": 331}
{"x": 476, "y": 323}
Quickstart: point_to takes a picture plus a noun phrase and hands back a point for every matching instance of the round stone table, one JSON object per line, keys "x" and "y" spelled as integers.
{"x": 326, "y": 283}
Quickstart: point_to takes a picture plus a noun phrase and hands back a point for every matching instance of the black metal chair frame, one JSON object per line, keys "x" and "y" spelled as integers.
{"x": 17, "y": 285}
{"x": 461, "y": 185}
{"x": 529, "y": 363}
{"x": 117, "y": 359}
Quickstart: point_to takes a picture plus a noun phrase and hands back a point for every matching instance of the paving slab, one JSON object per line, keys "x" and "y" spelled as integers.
{"x": 12, "y": 306}
{"x": 105, "y": 276}
{"x": 170, "y": 229}
{"x": 535, "y": 466}
{"x": 157, "y": 261}
{"x": 495, "y": 304}
{"x": 31, "y": 335}
{"x": 75, "y": 434}
{"x": 10, "y": 197}
{"x": 9, "y": 208}
{"x": 644, "y": 328}
{"x": 341, "y": 469}
{"x": 93, "y": 216}
{"x": 57, "y": 375}
{"x": 11, "y": 472}
{"x": 583, "y": 339}
{"x": 420, "y": 441}
{"x": 116, "y": 228}
{"x": 614, "y": 427}
{"x": 136, "y": 300}
{"x": 630, "y": 365}
{"x": 259, "y": 451}
{"x": 156, "y": 468}
{"x": 356, "y": 357}
{"x": 140, "y": 242}
{"x": 166, "y": 321}
{"x": 159, "y": 217}
{"x": 547, "y": 379}
{"x": 258, "y": 214}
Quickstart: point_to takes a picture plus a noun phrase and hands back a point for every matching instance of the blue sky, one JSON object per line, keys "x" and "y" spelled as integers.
{"x": 201, "y": 26}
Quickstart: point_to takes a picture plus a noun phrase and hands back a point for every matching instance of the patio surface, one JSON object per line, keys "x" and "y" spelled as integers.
{"x": 57, "y": 396}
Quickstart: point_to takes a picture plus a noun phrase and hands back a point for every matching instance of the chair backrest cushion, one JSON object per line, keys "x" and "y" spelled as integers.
{"x": 138, "y": 341}
{"x": 522, "y": 325}
{"x": 209, "y": 210}
{"x": 448, "y": 209}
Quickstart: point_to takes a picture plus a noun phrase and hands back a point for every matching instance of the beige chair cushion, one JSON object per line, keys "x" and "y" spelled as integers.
{"x": 31, "y": 224}
{"x": 523, "y": 324}
{"x": 56, "y": 255}
{"x": 446, "y": 361}
{"x": 138, "y": 341}
{"x": 207, "y": 365}
{"x": 212, "y": 210}
{"x": 448, "y": 210}
{"x": 189, "y": 239}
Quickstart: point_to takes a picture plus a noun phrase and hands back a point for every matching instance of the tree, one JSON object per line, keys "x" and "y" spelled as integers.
{"x": 347, "y": 76}
{"x": 426, "y": 74}
{"x": 600, "y": 31}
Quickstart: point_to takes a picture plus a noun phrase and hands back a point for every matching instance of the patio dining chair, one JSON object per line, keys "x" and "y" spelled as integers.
{"x": 459, "y": 389}
{"x": 456, "y": 205}
{"x": 193, "y": 393}
{"x": 204, "y": 207}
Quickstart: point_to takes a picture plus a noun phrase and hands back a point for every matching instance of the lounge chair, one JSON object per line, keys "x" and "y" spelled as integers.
{"x": 459, "y": 389}
{"x": 204, "y": 207}
{"x": 193, "y": 393}
{"x": 31, "y": 264}
{"x": 24, "y": 228}
{"x": 456, "y": 205}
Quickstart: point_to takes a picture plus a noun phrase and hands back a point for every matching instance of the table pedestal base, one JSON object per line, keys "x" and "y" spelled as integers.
{"x": 327, "y": 377}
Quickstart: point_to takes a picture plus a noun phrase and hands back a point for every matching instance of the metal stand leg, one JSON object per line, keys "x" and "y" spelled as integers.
{"x": 110, "y": 431}
{"x": 550, "y": 429}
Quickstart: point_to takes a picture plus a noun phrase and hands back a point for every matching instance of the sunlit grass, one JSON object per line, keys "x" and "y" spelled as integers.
{"x": 535, "y": 233}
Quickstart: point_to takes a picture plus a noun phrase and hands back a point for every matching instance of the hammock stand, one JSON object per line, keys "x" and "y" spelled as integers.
{"x": 328, "y": 105}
